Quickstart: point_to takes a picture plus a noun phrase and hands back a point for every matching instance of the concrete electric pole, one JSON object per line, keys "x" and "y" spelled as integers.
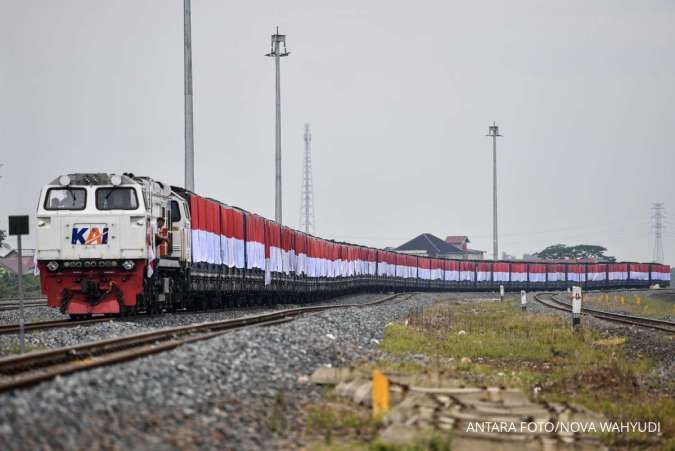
{"x": 187, "y": 67}
{"x": 277, "y": 40}
{"x": 493, "y": 131}
{"x": 307, "y": 199}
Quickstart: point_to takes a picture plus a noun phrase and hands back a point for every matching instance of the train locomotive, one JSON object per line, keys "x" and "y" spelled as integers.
{"x": 118, "y": 244}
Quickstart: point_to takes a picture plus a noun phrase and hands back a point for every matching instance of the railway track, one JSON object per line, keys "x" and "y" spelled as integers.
{"x": 41, "y": 325}
{"x": 34, "y": 367}
{"x": 14, "y": 304}
{"x": 641, "y": 321}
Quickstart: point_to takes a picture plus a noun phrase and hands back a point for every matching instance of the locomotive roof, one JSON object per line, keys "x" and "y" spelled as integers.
{"x": 93, "y": 178}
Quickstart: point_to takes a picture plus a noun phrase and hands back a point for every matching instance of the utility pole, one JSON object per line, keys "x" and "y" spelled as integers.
{"x": 658, "y": 217}
{"x": 277, "y": 40}
{"x": 493, "y": 131}
{"x": 307, "y": 199}
{"x": 189, "y": 123}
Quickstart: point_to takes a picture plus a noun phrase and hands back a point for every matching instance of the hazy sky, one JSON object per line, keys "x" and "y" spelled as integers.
{"x": 399, "y": 96}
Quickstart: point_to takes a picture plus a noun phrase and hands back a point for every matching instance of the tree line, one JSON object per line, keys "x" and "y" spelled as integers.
{"x": 579, "y": 251}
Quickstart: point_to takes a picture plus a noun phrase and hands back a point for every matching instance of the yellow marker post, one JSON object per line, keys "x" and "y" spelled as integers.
{"x": 380, "y": 394}
{"x": 622, "y": 299}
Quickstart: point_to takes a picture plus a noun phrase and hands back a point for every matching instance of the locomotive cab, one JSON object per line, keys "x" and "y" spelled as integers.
{"x": 96, "y": 240}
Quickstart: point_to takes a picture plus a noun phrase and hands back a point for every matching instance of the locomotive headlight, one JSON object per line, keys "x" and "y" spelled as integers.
{"x": 128, "y": 265}
{"x": 52, "y": 266}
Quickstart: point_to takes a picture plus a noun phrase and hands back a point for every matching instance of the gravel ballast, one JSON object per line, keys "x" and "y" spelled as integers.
{"x": 50, "y": 338}
{"x": 243, "y": 390}
{"x": 238, "y": 391}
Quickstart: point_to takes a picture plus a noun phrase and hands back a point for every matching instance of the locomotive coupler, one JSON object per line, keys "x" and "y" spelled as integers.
{"x": 92, "y": 291}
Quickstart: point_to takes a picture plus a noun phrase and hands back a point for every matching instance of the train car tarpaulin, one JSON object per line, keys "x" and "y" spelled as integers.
{"x": 424, "y": 268}
{"x": 451, "y": 271}
{"x": 537, "y": 272}
{"x": 467, "y": 271}
{"x": 576, "y": 272}
{"x": 500, "y": 272}
{"x": 597, "y": 272}
{"x": 618, "y": 271}
{"x": 638, "y": 271}
{"x": 556, "y": 272}
{"x": 255, "y": 242}
{"x": 483, "y": 272}
{"x": 660, "y": 273}
{"x": 518, "y": 272}
{"x": 288, "y": 259}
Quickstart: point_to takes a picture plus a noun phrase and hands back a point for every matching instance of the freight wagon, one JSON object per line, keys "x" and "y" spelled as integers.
{"x": 120, "y": 244}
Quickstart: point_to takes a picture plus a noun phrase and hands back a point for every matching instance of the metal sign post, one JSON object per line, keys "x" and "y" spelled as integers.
{"x": 523, "y": 300}
{"x": 18, "y": 225}
{"x": 501, "y": 292}
{"x": 576, "y": 307}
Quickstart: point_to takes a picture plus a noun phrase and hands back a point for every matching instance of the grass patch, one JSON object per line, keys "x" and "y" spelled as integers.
{"x": 426, "y": 442}
{"x": 495, "y": 343}
{"x": 490, "y": 331}
{"x": 656, "y": 305}
{"x": 336, "y": 421}
{"x": 15, "y": 348}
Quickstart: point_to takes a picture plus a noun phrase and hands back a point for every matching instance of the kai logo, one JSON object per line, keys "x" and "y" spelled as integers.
{"x": 92, "y": 235}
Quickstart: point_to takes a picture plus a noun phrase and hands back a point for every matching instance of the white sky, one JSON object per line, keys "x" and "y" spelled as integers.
{"x": 399, "y": 96}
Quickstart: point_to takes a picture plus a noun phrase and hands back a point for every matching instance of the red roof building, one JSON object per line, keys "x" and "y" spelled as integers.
{"x": 462, "y": 242}
{"x": 10, "y": 263}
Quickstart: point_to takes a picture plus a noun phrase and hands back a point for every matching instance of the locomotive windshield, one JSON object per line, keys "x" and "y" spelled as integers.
{"x": 116, "y": 198}
{"x": 66, "y": 199}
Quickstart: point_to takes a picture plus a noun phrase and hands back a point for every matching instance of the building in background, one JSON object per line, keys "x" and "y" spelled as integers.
{"x": 9, "y": 262}
{"x": 462, "y": 242}
{"x": 508, "y": 257}
{"x": 429, "y": 245}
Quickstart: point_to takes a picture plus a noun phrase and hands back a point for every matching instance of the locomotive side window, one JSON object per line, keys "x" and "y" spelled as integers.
{"x": 175, "y": 211}
{"x": 66, "y": 199}
{"x": 116, "y": 199}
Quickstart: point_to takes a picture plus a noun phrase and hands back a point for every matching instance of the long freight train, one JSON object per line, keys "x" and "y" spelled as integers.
{"x": 120, "y": 244}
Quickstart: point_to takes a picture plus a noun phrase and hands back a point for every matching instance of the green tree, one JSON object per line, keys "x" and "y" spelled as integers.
{"x": 9, "y": 285}
{"x": 589, "y": 251}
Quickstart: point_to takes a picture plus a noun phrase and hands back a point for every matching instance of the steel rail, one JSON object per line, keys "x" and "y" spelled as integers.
{"x": 34, "y": 367}
{"x": 652, "y": 323}
{"x": 28, "y": 303}
{"x": 40, "y": 325}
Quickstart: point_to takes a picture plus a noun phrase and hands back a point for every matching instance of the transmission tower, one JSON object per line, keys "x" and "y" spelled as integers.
{"x": 307, "y": 199}
{"x": 658, "y": 216}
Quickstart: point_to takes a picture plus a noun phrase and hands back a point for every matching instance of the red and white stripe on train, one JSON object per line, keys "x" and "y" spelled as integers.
{"x": 110, "y": 244}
